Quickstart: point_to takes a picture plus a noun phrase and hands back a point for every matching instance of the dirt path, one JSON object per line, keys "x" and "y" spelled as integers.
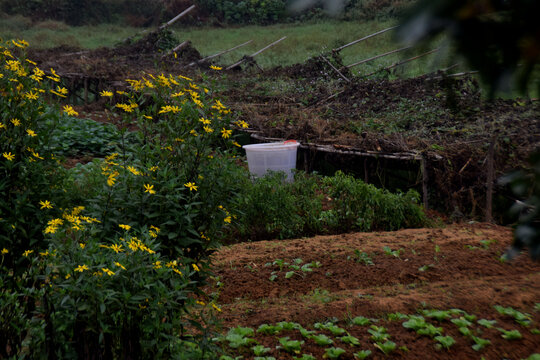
{"x": 454, "y": 267}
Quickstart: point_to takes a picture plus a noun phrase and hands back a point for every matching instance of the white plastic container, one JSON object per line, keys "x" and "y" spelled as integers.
{"x": 276, "y": 156}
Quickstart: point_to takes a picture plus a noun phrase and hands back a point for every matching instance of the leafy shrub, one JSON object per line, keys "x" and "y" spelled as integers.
{"x": 362, "y": 206}
{"x": 31, "y": 178}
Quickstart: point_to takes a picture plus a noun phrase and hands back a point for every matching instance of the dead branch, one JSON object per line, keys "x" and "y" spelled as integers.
{"x": 402, "y": 62}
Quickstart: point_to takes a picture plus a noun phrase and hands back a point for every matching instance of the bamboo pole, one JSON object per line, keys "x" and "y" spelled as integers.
{"x": 256, "y": 53}
{"x": 218, "y": 54}
{"x": 376, "y": 57}
{"x": 173, "y": 20}
{"x": 179, "y": 47}
{"x": 336, "y": 70}
{"x": 362, "y": 39}
{"x": 402, "y": 62}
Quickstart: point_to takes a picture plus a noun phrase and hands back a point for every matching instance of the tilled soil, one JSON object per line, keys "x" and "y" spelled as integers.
{"x": 458, "y": 266}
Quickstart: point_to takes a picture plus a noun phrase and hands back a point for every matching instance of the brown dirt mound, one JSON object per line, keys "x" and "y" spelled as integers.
{"x": 454, "y": 267}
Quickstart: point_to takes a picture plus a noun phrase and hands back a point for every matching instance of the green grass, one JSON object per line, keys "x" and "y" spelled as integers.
{"x": 303, "y": 41}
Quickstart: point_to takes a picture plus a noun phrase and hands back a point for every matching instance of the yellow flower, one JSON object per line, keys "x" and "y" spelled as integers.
{"x": 45, "y": 253}
{"x": 191, "y": 186}
{"x": 133, "y": 170}
{"x": 225, "y": 133}
{"x": 125, "y": 227}
{"x": 205, "y": 121}
{"x": 119, "y": 265}
{"x": 177, "y": 271}
{"x": 112, "y": 178}
{"x": 5, "y": 251}
{"x": 27, "y": 252}
{"x": 15, "y": 122}
{"x": 215, "y": 67}
{"x": 152, "y": 233}
{"x": 67, "y": 276}
{"x": 45, "y": 204}
{"x": 106, "y": 93}
{"x": 236, "y": 144}
{"x": 155, "y": 228}
{"x": 200, "y": 302}
{"x": 193, "y": 132}
{"x": 208, "y": 129}
{"x": 107, "y": 271}
{"x": 31, "y": 96}
{"x": 171, "y": 264}
{"x": 82, "y": 245}
{"x": 2, "y": 126}
{"x": 227, "y": 219}
{"x": 81, "y": 268}
{"x": 195, "y": 267}
{"x": 216, "y": 307}
{"x": 116, "y": 248}
{"x": 157, "y": 265}
{"x": 9, "y": 156}
{"x": 68, "y": 109}
{"x": 149, "y": 189}
{"x": 31, "y": 132}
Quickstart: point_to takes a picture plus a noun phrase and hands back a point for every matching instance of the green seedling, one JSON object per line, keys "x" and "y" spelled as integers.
{"x": 288, "y": 325}
{"x": 289, "y": 274}
{"x": 361, "y": 321}
{"x": 268, "y": 329}
{"x": 537, "y": 307}
{"x": 465, "y": 331}
{"x": 334, "y": 329}
{"x": 415, "y": 322}
{"x": 445, "y": 341}
{"x": 349, "y": 339}
{"x": 534, "y": 357}
{"x": 264, "y": 358}
{"x": 238, "y": 337}
{"x": 461, "y": 322}
{"x": 306, "y": 333}
{"x": 306, "y": 357}
{"x": 322, "y": 340}
{"x": 227, "y": 357}
{"x": 362, "y": 257}
{"x": 397, "y": 316}
{"x": 378, "y": 333}
{"x": 290, "y": 346}
{"x": 439, "y": 315}
{"x": 386, "y": 347}
{"x": 521, "y": 318}
{"x": 479, "y": 343}
{"x": 259, "y": 350}
{"x": 510, "y": 334}
{"x": 273, "y": 276}
{"x": 486, "y": 243}
{"x": 430, "y": 330}
{"x": 487, "y": 323}
{"x": 535, "y": 331}
{"x": 426, "y": 267}
{"x": 333, "y": 353}
{"x": 362, "y": 354}
{"x": 390, "y": 252}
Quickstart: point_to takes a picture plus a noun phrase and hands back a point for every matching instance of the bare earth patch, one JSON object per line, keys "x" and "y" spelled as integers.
{"x": 445, "y": 268}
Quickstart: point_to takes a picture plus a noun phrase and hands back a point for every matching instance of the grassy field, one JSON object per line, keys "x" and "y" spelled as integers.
{"x": 303, "y": 41}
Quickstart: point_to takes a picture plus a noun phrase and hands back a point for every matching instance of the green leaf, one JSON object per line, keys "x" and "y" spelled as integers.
{"x": 362, "y": 354}
{"x": 361, "y": 321}
{"x": 487, "y": 323}
{"x": 349, "y": 339}
{"x": 333, "y": 353}
{"x": 322, "y": 340}
{"x": 289, "y": 274}
{"x": 445, "y": 341}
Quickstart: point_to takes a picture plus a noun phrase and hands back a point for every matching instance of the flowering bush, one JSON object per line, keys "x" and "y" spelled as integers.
{"x": 117, "y": 282}
{"x": 31, "y": 178}
{"x": 116, "y": 299}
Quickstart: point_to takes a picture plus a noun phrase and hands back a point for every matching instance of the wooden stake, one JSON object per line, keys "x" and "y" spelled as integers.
{"x": 219, "y": 54}
{"x": 423, "y": 169}
{"x": 378, "y": 56}
{"x": 336, "y": 70}
{"x": 256, "y": 53}
{"x": 490, "y": 180}
{"x": 364, "y": 38}
{"x": 172, "y": 21}
{"x": 403, "y": 62}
